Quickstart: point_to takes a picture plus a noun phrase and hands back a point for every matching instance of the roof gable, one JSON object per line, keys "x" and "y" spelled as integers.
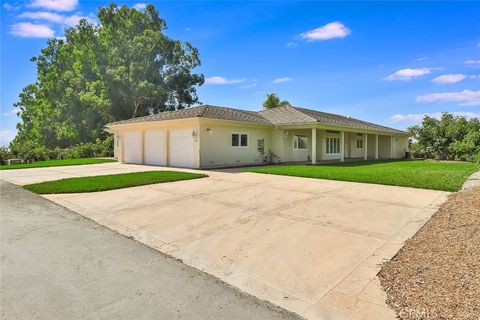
{"x": 286, "y": 115}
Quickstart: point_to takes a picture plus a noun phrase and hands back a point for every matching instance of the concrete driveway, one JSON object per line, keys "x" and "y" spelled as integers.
{"x": 311, "y": 246}
{"x": 56, "y": 264}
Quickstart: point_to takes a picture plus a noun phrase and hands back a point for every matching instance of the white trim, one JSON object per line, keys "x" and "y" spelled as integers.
{"x": 293, "y": 142}
{"x": 239, "y": 140}
{"x": 339, "y": 145}
{"x": 365, "y": 147}
{"x": 356, "y": 142}
{"x": 314, "y": 145}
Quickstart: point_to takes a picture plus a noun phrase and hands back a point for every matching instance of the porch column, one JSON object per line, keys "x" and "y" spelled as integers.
{"x": 142, "y": 141}
{"x": 342, "y": 146}
{"x": 391, "y": 147}
{"x": 376, "y": 147}
{"x": 365, "y": 146}
{"x": 314, "y": 145}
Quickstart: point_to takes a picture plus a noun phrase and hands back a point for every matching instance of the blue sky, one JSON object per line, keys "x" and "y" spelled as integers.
{"x": 385, "y": 62}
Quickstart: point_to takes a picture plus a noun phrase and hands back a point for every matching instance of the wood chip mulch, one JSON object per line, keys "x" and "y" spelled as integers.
{"x": 436, "y": 275}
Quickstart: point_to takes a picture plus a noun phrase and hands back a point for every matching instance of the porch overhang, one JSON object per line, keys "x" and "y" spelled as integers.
{"x": 323, "y": 126}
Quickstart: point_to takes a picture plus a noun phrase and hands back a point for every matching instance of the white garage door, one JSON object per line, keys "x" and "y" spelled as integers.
{"x": 180, "y": 148}
{"x": 155, "y": 148}
{"x": 132, "y": 147}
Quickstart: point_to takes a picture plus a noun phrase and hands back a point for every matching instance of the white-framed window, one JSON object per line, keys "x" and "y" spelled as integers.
{"x": 359, "y": 144}
{"x": 300, "y": 142}
{"x": 239, "y": 140}
{"x": 332, "y": 145}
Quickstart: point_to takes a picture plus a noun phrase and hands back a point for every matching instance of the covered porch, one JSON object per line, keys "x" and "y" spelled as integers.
{"x": 322, "y": 145}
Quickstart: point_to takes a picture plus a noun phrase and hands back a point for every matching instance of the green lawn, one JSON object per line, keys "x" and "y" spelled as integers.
{"x": 56, "y": 163}
{"x": 110, "y": 182}
{"x": 437, "y": 175}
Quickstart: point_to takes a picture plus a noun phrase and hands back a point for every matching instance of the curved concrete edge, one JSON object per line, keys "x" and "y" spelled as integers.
{"x": 472, "y": 181}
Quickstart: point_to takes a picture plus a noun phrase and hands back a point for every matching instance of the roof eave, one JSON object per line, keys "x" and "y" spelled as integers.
{"x": 340, "y": 127}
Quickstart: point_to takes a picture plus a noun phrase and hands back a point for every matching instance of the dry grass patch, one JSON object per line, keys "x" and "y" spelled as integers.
{"x": 436, "y": 275}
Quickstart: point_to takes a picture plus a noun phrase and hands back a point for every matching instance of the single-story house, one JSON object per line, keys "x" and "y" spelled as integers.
{"x": 211, "y": 136}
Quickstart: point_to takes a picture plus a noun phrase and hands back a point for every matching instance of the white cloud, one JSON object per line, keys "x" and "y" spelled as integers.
{"x": 291, "y": 45}
{"x": 282, "y": 80}
{"x": 418, "y": 117}
{"x": 463, "y": 98}
{"x": 248, "y": 86}
{"x": 415, "y": 117}
{"x": 10, "y": 113}
{"x": 222, "y": 80}
{"x": 73, "y": 20}
{"x": 30, "y": 30}
{"x": 472, "y": 61}
{"x": 56, "y": 5}
{"x": 449, "y": 78}
{"x": 329, "y": 31}
{"x": 48, "y": 16}
{"x": 140, "y": 6}
{"x": 7, "y": 6}
{"x": 6, "y": 136}
{"x": 70, "y": 21}
{"x": 408, "y": 74}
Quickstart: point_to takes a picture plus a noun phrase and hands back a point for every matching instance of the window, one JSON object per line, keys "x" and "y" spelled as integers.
{"x": 240, "y": 140}
{"x": 359, "y": 144}
{"x": 300, "y": 142}
{"x": 332, "y": 145}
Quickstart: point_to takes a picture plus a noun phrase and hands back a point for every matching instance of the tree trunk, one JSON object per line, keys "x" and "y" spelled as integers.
{"x": 135, "y": 109}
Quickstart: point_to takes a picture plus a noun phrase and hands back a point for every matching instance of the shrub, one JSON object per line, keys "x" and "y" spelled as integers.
{"x": 4, "y": 155}
{"x": 30, "y": 152}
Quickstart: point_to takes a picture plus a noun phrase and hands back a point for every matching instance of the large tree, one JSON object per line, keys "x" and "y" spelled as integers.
{"x": 273, "y": 101}
{"x": 123, "y": 67}
{"x": 449, "y": 137}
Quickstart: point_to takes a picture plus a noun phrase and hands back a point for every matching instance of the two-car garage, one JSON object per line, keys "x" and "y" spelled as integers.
{"x": 173, "y": 147}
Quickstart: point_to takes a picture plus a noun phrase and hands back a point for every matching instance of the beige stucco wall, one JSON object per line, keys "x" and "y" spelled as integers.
{"x": 290, "y": 154}
{"x": 212, "y": 142}
{"x": 354, "y": 152}
{"x": 384, "y": 147}
{"x": 216, "y": 143}
{"x": 401, "y": 146}
{"x": 371, "y": 146}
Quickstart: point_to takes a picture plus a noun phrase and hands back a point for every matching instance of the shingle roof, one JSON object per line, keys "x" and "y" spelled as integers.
{"x": 205, "y": 111}
{"x": 284, "y": 115}
{"x": 335, "y": 119}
